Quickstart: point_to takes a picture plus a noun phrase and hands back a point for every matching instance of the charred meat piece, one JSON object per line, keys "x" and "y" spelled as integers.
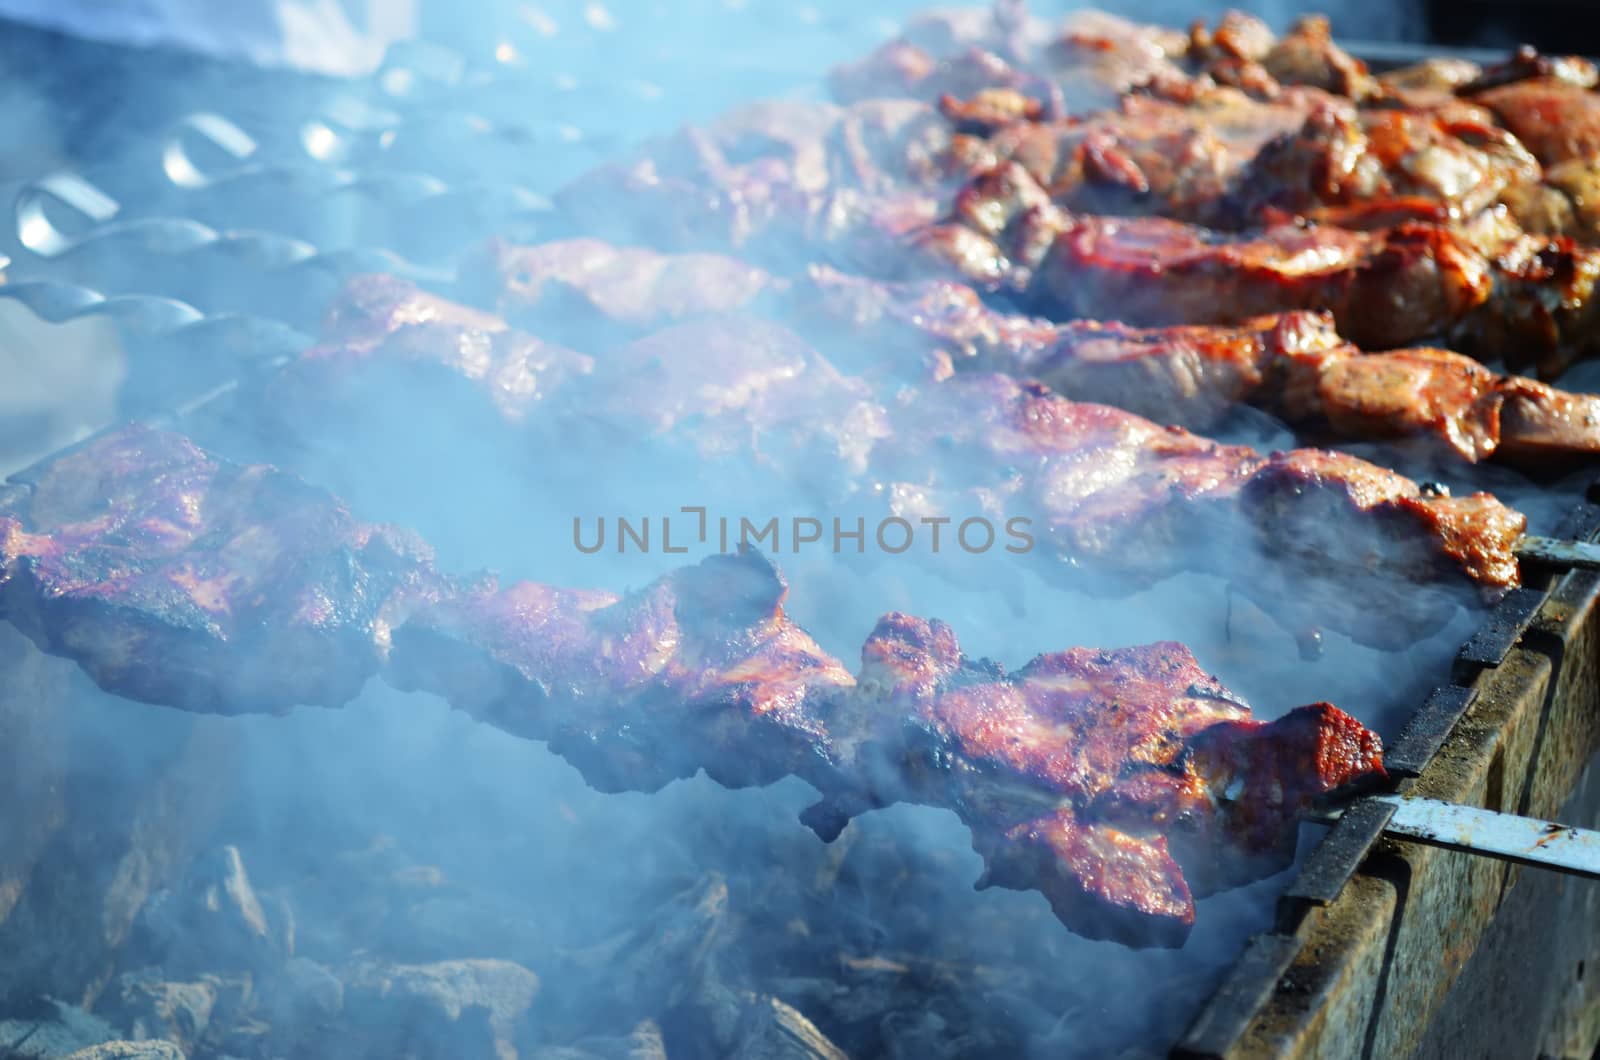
{"x": 1299, "y": 368}
{"x": 1295, "y": 365}
{"x": 1557, "y": 120}
{"x": 1340, "y": 157}
{"x": 1529, "y": 64}
{"x": 736, "y": 389}
{"x": 699, "y": 670}
{"x": 1085, "y": 63}
{"x": 380, "y": 322}
{"x": 1098, "y": 778}
{"x": 173, "y": 577}
{"x": 1117, "y": 783}
{"x": 724, "y": 401}
{"x": 1307, "y": 55}
{"x": 1221, "y": 158}
{"x": 1529, "y": 300}
{"x": 1148, "y": 156}
{"x": 1115, "y": 500}
{"x": 1102, "y": 779}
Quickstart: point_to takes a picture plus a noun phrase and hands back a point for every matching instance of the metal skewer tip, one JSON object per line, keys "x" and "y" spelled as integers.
{"x": 1552, "y": 552}
{"x": 1503, "y": 836}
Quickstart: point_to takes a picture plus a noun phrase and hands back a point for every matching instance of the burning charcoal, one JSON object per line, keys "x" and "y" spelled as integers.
{"x": 46, "y": 1029}
{"x": 449, "y": 1010}
{"x": 129, "y": 1051}
{"x": 298, "y": 1007}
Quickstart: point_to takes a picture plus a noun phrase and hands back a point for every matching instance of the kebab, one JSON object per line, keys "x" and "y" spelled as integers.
{"x": 1219, "y": 157}
{"x": 771, "y": 178}
{"x": 1118, "y": 783}
{"x": 753, "y": 412}
{"x": 1294, "y": 365}
{"x": 1532, "y": 299}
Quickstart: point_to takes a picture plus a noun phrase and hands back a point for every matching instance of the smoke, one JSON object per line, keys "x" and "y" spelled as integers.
{"x": 400, "y": 831}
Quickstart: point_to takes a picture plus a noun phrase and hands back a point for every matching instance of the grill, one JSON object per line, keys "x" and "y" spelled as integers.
{"x": 214, "y": 250}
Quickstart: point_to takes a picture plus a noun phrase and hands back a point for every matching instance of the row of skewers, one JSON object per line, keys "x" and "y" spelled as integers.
{"x": 1007, "y": 274}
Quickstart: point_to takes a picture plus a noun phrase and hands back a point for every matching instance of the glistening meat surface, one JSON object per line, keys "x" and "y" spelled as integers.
{"x": 1531, "y": 299}
{"x": 1117, "y": 501}
{"x": 1295, "y": 365}
{"x": 1117, "y": 783}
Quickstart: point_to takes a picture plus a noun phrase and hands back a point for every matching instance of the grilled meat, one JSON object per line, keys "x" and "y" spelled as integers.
{"x": 1221, "y": 158}
{"x": 174, "y": 577}
{"x": 1531, "y": 300}
{"x": 724, "y": 401}
{"x": 781, "y": 181}
{"x": 379, "y": 322}
{"x": 1091, "y": 776}
{"x": 1307, "y": 55}
{"x": 1557, "y": 120}
{"x": 1087, "y": 62}
{"x": 1116, "y": 500}
{"x": 1098, "y": 778}
{"x": 1148, "y": 156}
{"x": 1295, "y": 365}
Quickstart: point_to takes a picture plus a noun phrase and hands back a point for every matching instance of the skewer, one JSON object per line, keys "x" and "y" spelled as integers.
{"x": 1471, "y": 830}
{"x": 1564, "y": 555}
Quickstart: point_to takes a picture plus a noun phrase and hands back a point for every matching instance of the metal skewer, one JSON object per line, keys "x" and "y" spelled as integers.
{"x": 1502, "y": 836}
{"x": 1553, "y": 552}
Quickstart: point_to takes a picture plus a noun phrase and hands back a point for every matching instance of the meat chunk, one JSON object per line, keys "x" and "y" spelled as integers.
{"x": 1108, "y": 780}
{"x": 779, "y": 181}
{"x": 1115, "y": 500}
{"x": 1086, "y": 63}
{"x": 1117, "y": 783}
{"x": 700, "y": 670}
{"x": 173, "y": 577}
{"x": 1557, "y": 120}
{"x": 1491, "y": 290}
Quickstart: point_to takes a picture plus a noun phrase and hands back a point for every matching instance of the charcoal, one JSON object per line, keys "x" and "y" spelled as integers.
{"x": 125, "y": 795}
{"x": 723, "y": 1019}
{"x": 439, "y": 926}
{"x": 213, "y": 920}
{"x": 148, "y": 1007}
{"x": 303, "y": 991}
{"x": 644, "y": 1043}
{"x": 129, "y": 1051}
{"x": 48, "y": 1029}
{"x": 645, "y": 972}
{"x": 448, "y": 1009}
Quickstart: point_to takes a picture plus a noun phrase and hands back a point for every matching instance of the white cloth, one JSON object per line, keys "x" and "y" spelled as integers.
{"x": 339, "y": 37}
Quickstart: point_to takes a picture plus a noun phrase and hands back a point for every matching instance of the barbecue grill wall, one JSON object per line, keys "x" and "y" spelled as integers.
{"x": 1442, "y": 954}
